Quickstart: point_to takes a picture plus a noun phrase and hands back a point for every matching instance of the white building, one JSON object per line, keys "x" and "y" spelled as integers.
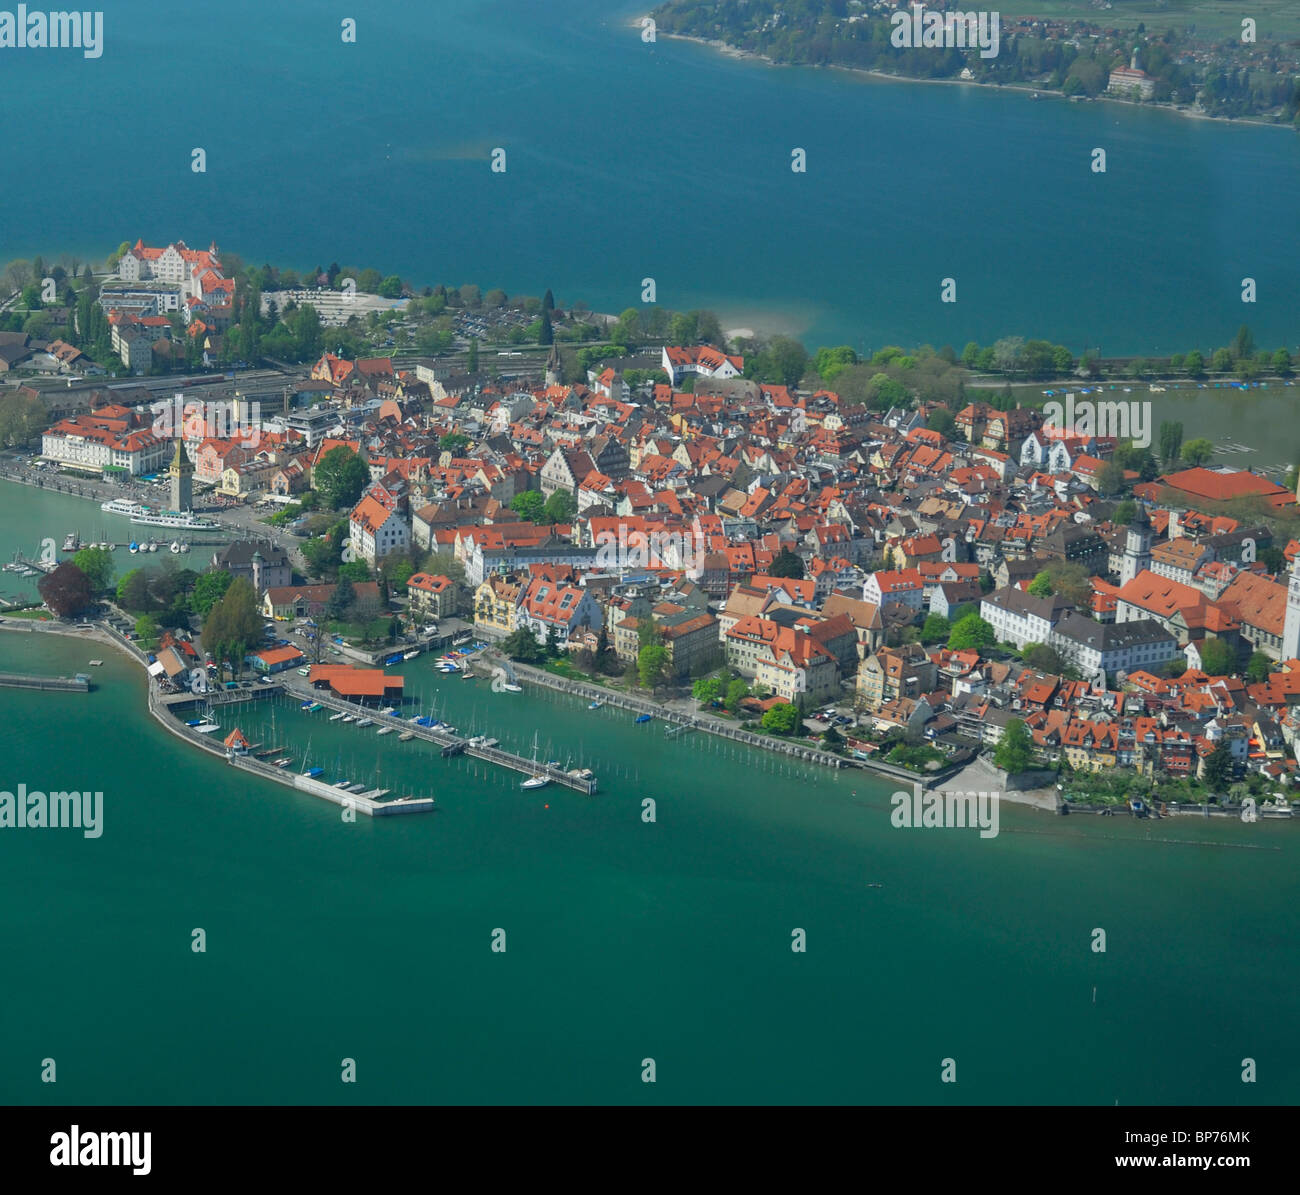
{"x": 375, "y": 531}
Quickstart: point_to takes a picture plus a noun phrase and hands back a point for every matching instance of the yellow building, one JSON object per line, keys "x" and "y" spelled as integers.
{"x": 496, "y": 607}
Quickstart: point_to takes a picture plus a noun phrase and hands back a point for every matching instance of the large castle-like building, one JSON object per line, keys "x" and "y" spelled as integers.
{"x": 196, "y": 272}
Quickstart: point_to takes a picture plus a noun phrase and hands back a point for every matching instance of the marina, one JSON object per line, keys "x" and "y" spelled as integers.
{"x": 579, "y": 779}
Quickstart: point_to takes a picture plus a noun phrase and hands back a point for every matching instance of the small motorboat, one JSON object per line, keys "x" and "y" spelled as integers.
{"x": 385, "y": 730}
{"x": 133, "y": 547}
{"x": 364, "y": 721}
{"x": 536, "y": 782}
{"x": 644, "y": 717}
{"x": 595, "y": 705}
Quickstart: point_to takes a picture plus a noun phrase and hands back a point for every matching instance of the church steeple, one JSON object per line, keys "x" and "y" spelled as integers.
{"x": 554, "y": 367}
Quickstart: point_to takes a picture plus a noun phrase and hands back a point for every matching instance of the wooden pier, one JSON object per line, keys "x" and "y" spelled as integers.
{"x": 450, "y": 744}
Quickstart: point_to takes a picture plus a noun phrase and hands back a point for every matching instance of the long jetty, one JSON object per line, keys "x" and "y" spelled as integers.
{"x": 451, "y": 744}
{"x": 65, "y": 684}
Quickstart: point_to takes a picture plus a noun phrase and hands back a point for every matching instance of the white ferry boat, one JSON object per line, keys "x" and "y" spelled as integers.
{"x": 138, "y": 512}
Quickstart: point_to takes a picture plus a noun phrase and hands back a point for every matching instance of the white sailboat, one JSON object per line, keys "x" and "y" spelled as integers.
{"x": 538, "y": 779}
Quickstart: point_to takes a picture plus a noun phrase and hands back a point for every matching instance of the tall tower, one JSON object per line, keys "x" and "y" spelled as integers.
{"x": 181, "y": 471}
{"x": 1291, "y": 627}
{"x": 554, "y": 367}
{"x": 1137, "y": 546}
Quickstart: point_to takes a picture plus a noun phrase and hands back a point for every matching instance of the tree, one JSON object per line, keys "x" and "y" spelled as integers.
{"x": 453, "y": 442}
{"x": 1197, "y": 452}
{"x": 522, "y": 646}
{"x": 133, "y": 591}
{"x": 545, "y": 334}
{"x": 1171, "y": 442}
{"x": 234, "y": 624}
{"x": 341, "y": 600}
{"x": 1243, "y": 344}
{"x": 471, "y": 358}
{"x": 1282, "y": 362}
{"x": 65, "y": 591}
{"x": 787, "y": 564}
{"x": 831, "y": 362}
{"x": 1110, "y": 478}
{"x": 941, "y": 421}
{"x": 209, "y": 589}
{"x": 1217, "y": 768}
{"x": 528, "y": 505}
{"x": 652, "y": 665}
{"x": 1222, "y": 361}
{"x": 97, "y": 564}
{"x": 1043, "y": 658}
{"x": 560, "y": 507}
{"x": 971, "y": 631}
{"x": 1258, "y": 668}
{"x": 936, "y": 629}
{"x": 737, "y": 691}
{"x": 1217, "y": 658}
{"x": 1015, "y": 749}
{"x": 1041, "y": 585}
{"x": 781, "y": 719}
{"x": 1194, "y": 364}
{"x": 1125, "y": 513}
{"x": 339, "y": 477}
{"x": 707, "y": 689}
{"x": 147, "y": 631}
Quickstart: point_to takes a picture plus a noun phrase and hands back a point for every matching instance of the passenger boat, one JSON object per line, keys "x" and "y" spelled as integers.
{"x": 141, "y": 513}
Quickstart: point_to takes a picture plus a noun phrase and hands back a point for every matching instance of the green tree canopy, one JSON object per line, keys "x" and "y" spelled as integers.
{"x": 560, "y": 507}
{"x": 781, "y": 719}
{"x": 339, "y": 477}
{"x": 97, "y": 564}
{"x": 209, "y": 589}
{"x": 1217, "y": 658}
{"x": 529, "y": 505}
{"x": 971, "y": 631}
{"x": 1015, "y": 749}
{"x": 787, "y": 564}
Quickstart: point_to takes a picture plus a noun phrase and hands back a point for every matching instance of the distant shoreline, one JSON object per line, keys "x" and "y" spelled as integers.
{"x": 731, "y": 51}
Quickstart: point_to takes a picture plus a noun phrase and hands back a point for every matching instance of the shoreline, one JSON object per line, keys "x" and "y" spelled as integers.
{"x": 735, "y": 52}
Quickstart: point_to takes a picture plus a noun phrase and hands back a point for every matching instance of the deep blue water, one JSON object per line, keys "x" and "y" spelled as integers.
{"x": 627, "y": 160}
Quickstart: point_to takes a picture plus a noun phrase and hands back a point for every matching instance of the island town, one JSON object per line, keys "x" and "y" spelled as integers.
{"x": 867, "y": 561}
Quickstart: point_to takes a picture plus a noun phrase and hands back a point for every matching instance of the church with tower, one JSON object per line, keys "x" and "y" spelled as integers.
{"x": 1137, "y": 546}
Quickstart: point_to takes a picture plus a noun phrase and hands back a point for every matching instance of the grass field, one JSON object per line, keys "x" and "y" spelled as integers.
{"x": 1275, "y": 20}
